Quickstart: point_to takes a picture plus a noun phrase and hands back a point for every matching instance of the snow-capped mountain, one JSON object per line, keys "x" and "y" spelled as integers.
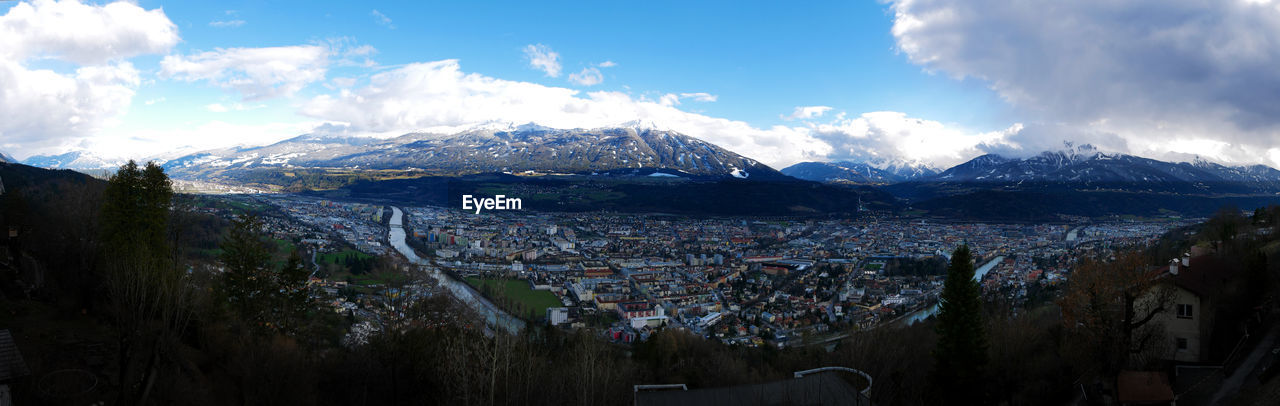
{"x": 870, "y": 172}
{"x": 82, "y": 160}
{"x": 1084, "y": 165}
{"x": 6, "y": 158}
{"x": 490, "y": 147}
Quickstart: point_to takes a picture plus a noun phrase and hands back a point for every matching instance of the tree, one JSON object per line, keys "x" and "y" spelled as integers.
{"x": 294, "y": 299}
{"x": 148, "y": 292}
{"x": 960, "y": 357}
{"x": 247, "y": 280}
{"x": 1223, "y": 228}
{"x": 1108, "y": 312}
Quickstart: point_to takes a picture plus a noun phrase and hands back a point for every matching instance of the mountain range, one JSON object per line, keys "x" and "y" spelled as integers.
{"x": 871, "y": 172}
{"x": 1084, "y": 168}
{"x": 1033, "y": 186}
{"x": 79, "y": 160}
{"x": 1085, "y": 164}
{"x": 514, "y": 149}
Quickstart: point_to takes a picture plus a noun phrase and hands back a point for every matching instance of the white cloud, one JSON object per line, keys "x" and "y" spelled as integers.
{"x": 1157, "y": 74}
{"x": 674, "y": 99}
{"x": 669, "y": 99}
{"x": 169, "y": 143}
{"x": 607, "y": 64}
{"x": 382, "y": 19}
{"x": 587, "y": 77}
{"x": 343, "y": 82}
{"x": 700, "y": 97}
{"x": 83, "y": 34}
{"x": 47, "y": 108}
{"x": 220, "y": 108}
{"x": 541, "y": 57}
{"x": 256, "y": 73}
{"x": 894, "y": 135}
{"x": 344, "y": 51}
{"x": 226, "y": 23}
{"x": 155, "y": 100}
{"x": 807, "y": 113}
{"x": 44, "y": 108}
{"x": 361, "y": 50}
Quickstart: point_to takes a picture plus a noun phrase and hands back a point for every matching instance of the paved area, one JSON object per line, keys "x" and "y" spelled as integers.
{"x": 1248, "y": 370}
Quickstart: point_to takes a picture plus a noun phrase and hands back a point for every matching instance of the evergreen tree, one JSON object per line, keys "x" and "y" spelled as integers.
{"x": 248, "y": 278}
{"x": 148, "y": 291}
{"x": 294, "y": 297}
{"x": 960, "y": 357}
{"x": 135, "y": 210}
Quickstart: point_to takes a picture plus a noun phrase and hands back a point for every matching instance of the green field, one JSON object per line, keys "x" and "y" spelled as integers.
{"x": 334, "y": 257}
{"x": 520, "y": 299}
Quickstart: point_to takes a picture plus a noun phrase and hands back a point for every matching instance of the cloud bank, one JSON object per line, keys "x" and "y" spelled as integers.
{"x": 439, "y": 95}
{"x": 1161, "y": 78}
{"x": 44, "y": 108}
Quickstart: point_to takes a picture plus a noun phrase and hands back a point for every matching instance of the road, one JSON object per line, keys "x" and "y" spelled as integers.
{"x": 1231, "y": 386}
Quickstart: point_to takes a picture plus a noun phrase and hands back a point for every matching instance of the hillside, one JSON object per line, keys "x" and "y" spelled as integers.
{"x": 577, "y": 193}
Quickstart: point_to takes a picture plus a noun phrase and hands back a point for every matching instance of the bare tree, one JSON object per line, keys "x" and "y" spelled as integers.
{"x": 1110, "y": 310}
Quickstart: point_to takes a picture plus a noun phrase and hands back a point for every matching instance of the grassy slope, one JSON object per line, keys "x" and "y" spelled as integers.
{"x": 519, "y": 291}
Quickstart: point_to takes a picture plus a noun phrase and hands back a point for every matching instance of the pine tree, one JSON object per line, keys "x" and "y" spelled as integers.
{"x": 960, "y": 357}
{"x": 148, "y": 291}
{"x": 248, "y": 278}
{"x": 294, "y": 297}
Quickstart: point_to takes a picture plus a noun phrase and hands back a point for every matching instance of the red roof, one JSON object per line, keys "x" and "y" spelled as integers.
{"x": 1144, "y": 387}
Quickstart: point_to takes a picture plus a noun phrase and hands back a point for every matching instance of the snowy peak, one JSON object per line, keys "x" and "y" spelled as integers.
{"x": 641, "y": 125}
{"x": 72, "y": 160}
{"x": 1085, "y": 165}
{"x": 871, "y": 172}
{"x": 493, "y": 147}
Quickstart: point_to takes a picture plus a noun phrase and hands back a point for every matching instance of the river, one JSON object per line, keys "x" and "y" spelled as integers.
{"x": 925, "y": 313}
{"x": 493, "y": 315}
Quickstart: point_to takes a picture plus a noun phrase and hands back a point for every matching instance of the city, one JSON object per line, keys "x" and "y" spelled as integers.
{"x": 749, "y": 281}
{"x": 715, "y": 203}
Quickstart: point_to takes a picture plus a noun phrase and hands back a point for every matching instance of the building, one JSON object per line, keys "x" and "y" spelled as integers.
{"x": 557, "y": 315}
{"x": 709, "y": 319}
{"x": 1189, "y": 324}
{"x": 562, "y": 244}
{"x": 594, "y": 269}
{"x": 630, "y": 310}
{"x": 1144, "y": 388}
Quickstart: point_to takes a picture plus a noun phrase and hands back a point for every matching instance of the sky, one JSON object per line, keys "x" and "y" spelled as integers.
{"x": 926, "y": 81}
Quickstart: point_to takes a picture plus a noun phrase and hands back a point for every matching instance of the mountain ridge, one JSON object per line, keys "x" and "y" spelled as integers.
{"x": 75, "y": 159}
{"x": 525, "y": 148}
{"x": 881, "y": 172}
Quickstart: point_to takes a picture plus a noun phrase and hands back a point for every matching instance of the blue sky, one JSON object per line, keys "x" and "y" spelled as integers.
{"x": 925, "y": 81}
{"x": 761, "y": 59}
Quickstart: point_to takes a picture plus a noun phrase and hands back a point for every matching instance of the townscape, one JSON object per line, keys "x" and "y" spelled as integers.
{"x": 895, "y": 202}
{"x": 782, "y": 282}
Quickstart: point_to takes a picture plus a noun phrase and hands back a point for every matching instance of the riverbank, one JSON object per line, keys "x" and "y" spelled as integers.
{"x": 922, "y": 314}
{"x": 494, "y": 316}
